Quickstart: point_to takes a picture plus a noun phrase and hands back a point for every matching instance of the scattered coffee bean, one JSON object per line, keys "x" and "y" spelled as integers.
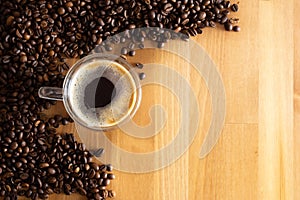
{"x": 131, "y": 53}
{"x": 228, "y": 26}
{"x": 111, "y": 194}
{"x": 234, "y": 7}
{"x": 139, "y": 65}
{"x": 98, "y": 152}
{"x": 124, "y": 50}
{"x": 109, "y": 167}
{"x": 64, "y": 121}
{"x": 160, "y": 45}
{"x": 236, "y": 28}
{"x": 142, "y": 75}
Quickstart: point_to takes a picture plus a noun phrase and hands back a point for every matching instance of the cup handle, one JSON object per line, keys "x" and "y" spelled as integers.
{"x": 51, "y": 93}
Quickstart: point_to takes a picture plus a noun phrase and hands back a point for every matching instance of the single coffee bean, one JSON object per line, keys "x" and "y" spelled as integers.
{"x": 109, "y": 167}
{"x": 91, "y": 173}
{"x": 51, "y": 171}
{"x": 61, "y": 11}
{"x": 131, "y": 53}
{"x": 106, "y": 182}
{"x": 111, "y": 176}
{"x": 228, "y": 27}
{"x": 142, "y": 76}
{"x": 224, "y": 19}
{"x": 160, "y": 44}
{"x": 141, "y": 46}
{"x": 58, "y": 41}
{"x": 168, "y": 7}
{"x": 212, "y": 24}
{"x": 64, "y": 121}
{"x": 52, "y": 179}
{"x": 206, "y": 2}
{"x": 14, "y": 146}
{"x": 24, "y": 176}
{"x": 58, "y": 118}
{"x": 23, "y": 59}
{"x": 44, "y": 165}
{"x": 69, "y": 4}
{"x": 236, "y": 29}
{"x": 97, "y": 175}
{"x": 202, "y": 15}
{"x": 111, "y": 194}
{"x": 124, "y": 50}
{"x": 139, "y": 65}
{"x": 227, "y": 4}
{"x": 234, "y": 7}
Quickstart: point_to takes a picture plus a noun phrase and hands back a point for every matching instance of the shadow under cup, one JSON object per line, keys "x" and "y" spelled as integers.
{"x": 101, "y": 91}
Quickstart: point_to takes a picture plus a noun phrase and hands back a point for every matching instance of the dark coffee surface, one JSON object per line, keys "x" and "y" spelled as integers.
{"x": 99, "y": 93}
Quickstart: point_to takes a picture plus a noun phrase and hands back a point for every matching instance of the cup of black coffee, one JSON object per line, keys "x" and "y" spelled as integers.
{"x": 100, "y": 91}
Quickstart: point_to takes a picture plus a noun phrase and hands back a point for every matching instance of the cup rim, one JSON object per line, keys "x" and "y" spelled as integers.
{"x": 127, "y": 66}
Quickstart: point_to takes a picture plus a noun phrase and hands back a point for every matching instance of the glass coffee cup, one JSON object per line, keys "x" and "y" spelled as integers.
{"x": 100, "y": 91}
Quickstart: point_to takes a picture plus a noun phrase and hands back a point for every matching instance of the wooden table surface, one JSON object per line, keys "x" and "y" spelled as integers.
{"x": 257, "y": 155}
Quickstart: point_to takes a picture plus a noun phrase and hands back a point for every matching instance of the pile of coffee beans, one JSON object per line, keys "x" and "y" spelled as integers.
{"x": 35, "y": 39}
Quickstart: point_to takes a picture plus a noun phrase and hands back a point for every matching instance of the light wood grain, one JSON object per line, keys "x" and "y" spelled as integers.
{"x": 296, "y": 100}
{"x": 257, "y": 156}
{"x": 275, "y": 103}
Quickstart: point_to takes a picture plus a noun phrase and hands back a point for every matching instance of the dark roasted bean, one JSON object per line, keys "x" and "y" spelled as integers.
{"x": 131, "y": 53}
{"x": 228, "y": 26}
{"x": 236, "y": 29}
{"x": 142, "y": 76}
{"x": 139, "y": 65}
{"x": 234, "y": 7}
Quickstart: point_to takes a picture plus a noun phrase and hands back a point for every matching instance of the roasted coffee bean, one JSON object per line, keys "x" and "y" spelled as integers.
{"x": 44, "y": 165}
{"x": 58, "y": 118}
{"x": 14, "y": 145}
{"x": 111, "y": 194}
{"x": 24, "y": 176}
{"x": 226, "y": 4}
{"x": 234, "y": 7}
{"x": 131, "y": 53}
{"x": 142, "y": 76}
{"x": 51, "y": 171}
{"x": 139, "y": 65}
{"x": 23, "y": 59}
{"x": 212, "y": 24}
{"x": 91, "y": 173}
{"x": 160, "y": 44}
{"x": 168, "y": 8}
{"x": 152, "y": 14}
{"x": 61, "y": 11}
{"x": 202, "y": 15}
{"x": 236, "y": 29}
{"x": 228, "y": 26}
{"x": 124, "y": 50}
{"x": 111, "y": 176}
{"x": 64, "y": 121}
{"x": 131, "y": 46}
{"x": 224, "y": 19}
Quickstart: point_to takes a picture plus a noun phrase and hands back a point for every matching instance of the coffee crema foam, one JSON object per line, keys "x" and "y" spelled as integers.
{"x": 119, "y": 107}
